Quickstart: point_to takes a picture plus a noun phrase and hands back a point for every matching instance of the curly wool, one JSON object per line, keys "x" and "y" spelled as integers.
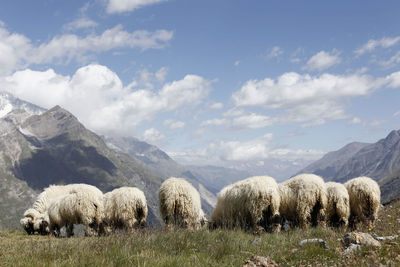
{"x": 338, "y": 207}
{"x": 303, "y": 200}
{"x": 180, "y": 204}
{"x": 249, "y": 204}
{"x": 36, "y": 214}
{"x": 365, "y": 199}
{"x": 77, "y": 207}
{"x": 124, "y": 207}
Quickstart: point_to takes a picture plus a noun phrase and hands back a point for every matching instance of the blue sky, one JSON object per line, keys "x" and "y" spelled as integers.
{"x": 211, "y": 82}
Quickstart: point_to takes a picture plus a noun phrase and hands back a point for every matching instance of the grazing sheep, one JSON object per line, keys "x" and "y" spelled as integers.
{"x": 33, "y": 217}
{"x": 303, "y": 200}
{"x": 338, "y": 207}
{"x": 365, "y": 199}
{"x": 125, "y": 207}
{"x": 252, "y": 203}
{"x": 180, "y": 204}
{"x": 77, "y": 207}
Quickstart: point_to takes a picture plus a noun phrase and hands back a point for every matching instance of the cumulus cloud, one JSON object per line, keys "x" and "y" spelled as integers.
{"x": 173, "y": 124}
{"x": 275, "y": 52}
{"x": 293, "y": 88}
{"x": 311, "y": 100}
{"x": 216, "y": 105}
{"x": 152, "y": 135}
{"x": 98, "y": 98}
{"x": 17, "y": 51}
{"x": 373, "y": 44}
{"x": 323, "y": 60}
{"x": 70, "y": 46}
{"x": 220, "y": 151}
{"x": 120, "y": 6}
{"x": 395, "y": 59}
{"x": 80, "y": 23}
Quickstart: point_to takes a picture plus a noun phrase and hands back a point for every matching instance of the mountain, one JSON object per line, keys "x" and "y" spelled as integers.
{"x": 217, "y": 177}
{"x": 330, "y": 164}
{"x": 8, "y": 103}
{"x": 375, "y": 160}
{"x": 161, "y": 164}
{"x": 55, "y": 148}
{"x": 390, "y": 186}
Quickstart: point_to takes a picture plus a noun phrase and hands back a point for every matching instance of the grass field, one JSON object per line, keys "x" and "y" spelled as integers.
{"x": 201, "y": 248}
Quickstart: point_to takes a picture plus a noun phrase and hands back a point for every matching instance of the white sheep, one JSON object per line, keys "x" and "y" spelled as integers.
{"x": 77, "y": 207}
{"x": 180, "y": 204}
{"x": 365, "y": 199}
{"x": 303, "y": 200}
{"x": 33, "y": 217}
{"x": 124, "y": 207}
{"x": 338, "y": 205}
{"x": 252, "y": 203}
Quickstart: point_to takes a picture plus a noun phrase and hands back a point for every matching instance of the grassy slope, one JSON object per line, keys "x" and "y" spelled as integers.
{"x": 201, "y": 248}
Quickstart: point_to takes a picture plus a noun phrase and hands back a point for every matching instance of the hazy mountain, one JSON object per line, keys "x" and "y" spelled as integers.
{"x": 161, "y": 164}
{"x": 375, "y": 160}
{"x": 390, "y": 186}
{"x": 217, "y": 177}
{"x": 330, "y": 164}
{"x": 8, "y": 102}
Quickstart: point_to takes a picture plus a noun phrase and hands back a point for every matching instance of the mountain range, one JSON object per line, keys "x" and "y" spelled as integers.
{"x": 380, "y": 161}
{"x": 41, "y": 147}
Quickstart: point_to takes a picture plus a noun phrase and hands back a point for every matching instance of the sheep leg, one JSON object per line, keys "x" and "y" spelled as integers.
{"x": 70, "y": 229}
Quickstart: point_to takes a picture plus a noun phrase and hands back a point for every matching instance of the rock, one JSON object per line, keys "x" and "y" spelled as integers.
{"x": 258, "y": 261}
{"x": 256, "y": 241}
{"x": 382, "y": 238}
{"x": 358, "y": 238}
{"x": 351, "y": 249}
{"x": 321, "y": 242}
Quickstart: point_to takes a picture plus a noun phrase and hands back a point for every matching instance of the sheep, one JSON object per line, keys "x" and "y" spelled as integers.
{"x": 125, "y": 207}
{"x": 365, "y": 198}
{"x": 33, "y": 217}
{"x": 303, "y": 200}
{"x": 180, "y": 204}
{"x": 252, "y": 204}
{"x": 338, "y": 205}
{"x": 77, "y": 207}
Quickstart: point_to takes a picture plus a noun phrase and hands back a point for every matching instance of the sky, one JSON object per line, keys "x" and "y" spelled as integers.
{"x": 211, "y": 82}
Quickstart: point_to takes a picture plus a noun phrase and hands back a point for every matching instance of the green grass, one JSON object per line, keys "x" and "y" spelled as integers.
{"x": 199, "y": 248}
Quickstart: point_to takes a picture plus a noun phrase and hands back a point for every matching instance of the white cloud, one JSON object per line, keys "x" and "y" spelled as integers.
{"x": 14, "y": 48}
{"x": 214, "y": 122}
{"x": 313, "y": 100}
{"x": 237, "y": 63}
{"x": 397, "y": 113}
{"x": 17, "y": 51}
{"x": 217, "y": 105}
{"x": 98, "y": 98}
{"x": 323, "y": 60}
{"x": 395, "y": 59}
{"x": 120, "y": 6}
{"x": 293, "y": 88}
{"x": 152, "y": 135}
{"x": 393, "y": 80}
{"x": 80, "y": 23}
{"x": 355, "y": 121}
{"x": 174, "y": 124}
{"x": 220, "y": 151}
{"x": 275, "y": 52}
{"x": 70, "y": 46}
{"x": 240, "y": 122}
{"x": 161, "y": 74}
{"x": 373, "y": 44}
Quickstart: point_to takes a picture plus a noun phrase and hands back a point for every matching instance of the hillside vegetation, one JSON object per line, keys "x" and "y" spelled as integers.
{"x": 152, "y": 247}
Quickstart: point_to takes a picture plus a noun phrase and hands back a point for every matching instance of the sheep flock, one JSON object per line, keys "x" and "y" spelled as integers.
{"x": 255, "y": 204}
